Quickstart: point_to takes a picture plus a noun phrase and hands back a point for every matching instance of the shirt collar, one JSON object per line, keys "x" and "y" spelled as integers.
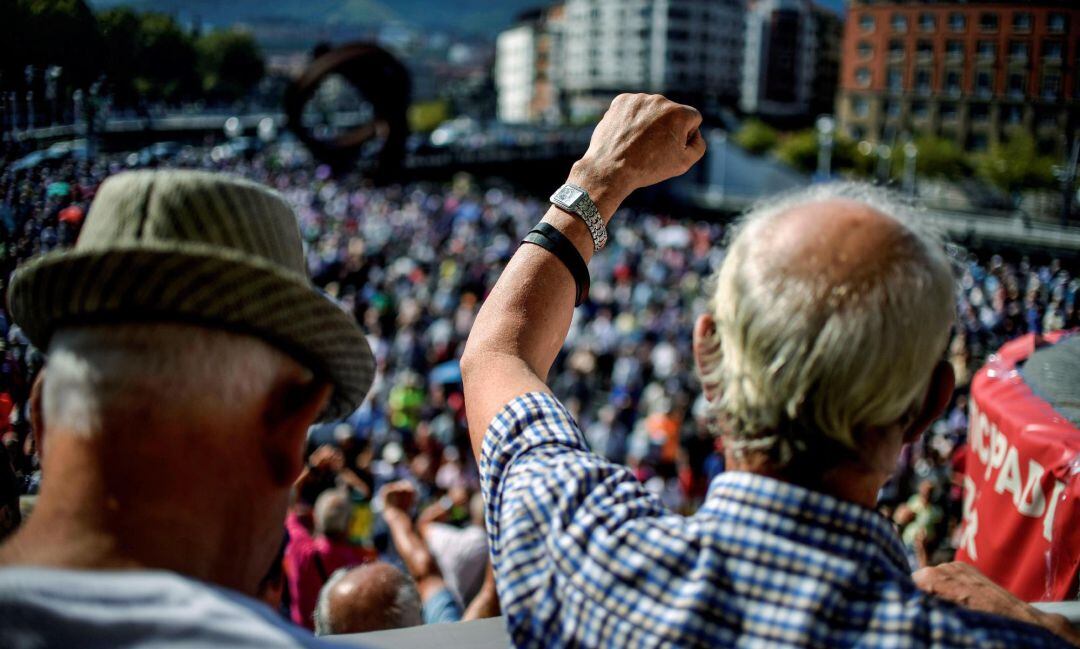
{"x": 829, "y": 523}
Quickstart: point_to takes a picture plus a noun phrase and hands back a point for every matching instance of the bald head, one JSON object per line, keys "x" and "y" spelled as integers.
{"x": 373, "y": 597}
{"x": 831, "y": 310}
{"x": 847, "y": 241}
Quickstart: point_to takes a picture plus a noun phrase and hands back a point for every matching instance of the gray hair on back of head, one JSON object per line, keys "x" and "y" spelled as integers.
{"x": 797, "y": 355}
{"x": 405, "y": 610}
{"x": 111, "y": 372}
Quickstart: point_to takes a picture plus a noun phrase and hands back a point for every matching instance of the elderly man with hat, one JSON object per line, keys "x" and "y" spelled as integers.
{"x": 820, "y": 353}
{"x": 188, "y": 355}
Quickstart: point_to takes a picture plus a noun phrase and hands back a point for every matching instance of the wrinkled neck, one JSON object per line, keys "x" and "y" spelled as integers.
{"x": 115, "y": 502}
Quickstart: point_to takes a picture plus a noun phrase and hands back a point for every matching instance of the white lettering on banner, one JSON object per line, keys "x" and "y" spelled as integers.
{"x": 992, "y": 448}
{"x": 1048, "y": 522}
{"x": 971, "y": 520}
{"x": 1032, "y": 502}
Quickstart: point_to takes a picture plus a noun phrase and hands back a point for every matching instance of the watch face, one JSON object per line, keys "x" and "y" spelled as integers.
{"x": 567, "y": 196}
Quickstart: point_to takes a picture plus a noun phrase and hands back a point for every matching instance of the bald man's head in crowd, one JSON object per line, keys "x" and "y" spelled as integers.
{"x": 373, "y": 597}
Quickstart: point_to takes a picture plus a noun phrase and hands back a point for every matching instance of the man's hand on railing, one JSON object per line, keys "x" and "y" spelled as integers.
{"x": 963, "y": 584}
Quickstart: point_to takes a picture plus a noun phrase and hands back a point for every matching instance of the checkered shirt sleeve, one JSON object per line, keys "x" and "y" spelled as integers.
{"x": 585, "y": 556}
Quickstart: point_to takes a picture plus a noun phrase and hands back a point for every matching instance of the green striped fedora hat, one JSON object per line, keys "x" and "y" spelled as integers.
{"x": 209, "y": 249}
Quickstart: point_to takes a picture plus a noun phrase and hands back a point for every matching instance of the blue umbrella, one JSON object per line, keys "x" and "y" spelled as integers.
{"x": 448, "y": 372}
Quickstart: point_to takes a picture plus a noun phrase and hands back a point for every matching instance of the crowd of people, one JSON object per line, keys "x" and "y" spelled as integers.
{"x": 413, "y": 263}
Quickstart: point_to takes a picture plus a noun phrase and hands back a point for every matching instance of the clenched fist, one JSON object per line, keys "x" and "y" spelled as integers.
{"x": 642, "y": 140}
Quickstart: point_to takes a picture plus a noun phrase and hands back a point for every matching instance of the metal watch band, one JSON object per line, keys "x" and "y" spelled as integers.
{"x": 577, "y": 201}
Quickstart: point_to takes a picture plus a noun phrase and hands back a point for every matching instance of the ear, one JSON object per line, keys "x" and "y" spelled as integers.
{"x": 291, "y": 409}
{"x": 942, "y": 384}
{"x": 707, "y": 353}
{"x": 37, "y": 414}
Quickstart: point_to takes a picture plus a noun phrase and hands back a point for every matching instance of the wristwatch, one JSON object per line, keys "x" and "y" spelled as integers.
{"x": 576, "y": 200}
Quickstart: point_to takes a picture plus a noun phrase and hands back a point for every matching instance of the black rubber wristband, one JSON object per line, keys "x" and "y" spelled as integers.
{"x": 550, "y": 239}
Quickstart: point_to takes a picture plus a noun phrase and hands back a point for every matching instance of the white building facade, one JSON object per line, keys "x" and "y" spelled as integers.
{"x": 690, "y": 50}
{"x": 515, "y": 73}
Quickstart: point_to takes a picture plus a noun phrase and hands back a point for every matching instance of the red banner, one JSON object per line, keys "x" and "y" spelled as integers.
{"x": 1022, "y": 484}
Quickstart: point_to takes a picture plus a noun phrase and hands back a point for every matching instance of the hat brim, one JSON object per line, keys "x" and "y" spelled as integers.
{"x": 199, "y": 284}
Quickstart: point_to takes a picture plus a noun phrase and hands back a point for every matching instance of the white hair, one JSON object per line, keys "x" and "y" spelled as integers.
{"x": 799, "y": 355}
{"x": 333, "y": 510}
{"x": 406, "y": 610}
{"x": 100, "y": 375}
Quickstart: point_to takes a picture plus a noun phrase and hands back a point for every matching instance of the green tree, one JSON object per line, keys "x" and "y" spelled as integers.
{"x": 939, "y": 158}
{"x": 799, "y": 149}
{"x": 166, "y": 59}
{"x": 48, "y": 32}
{"x": 756, "y": 136}
{"x": 121, "y": 33}
{"x": 1015, "y": 165}
{"x": 230, "y": 63}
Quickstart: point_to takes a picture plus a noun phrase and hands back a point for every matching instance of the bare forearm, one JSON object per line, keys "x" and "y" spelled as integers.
{"x": 524, "y": 321}
{"x": 642, "y": 140}
{"x": 410, "y": 546}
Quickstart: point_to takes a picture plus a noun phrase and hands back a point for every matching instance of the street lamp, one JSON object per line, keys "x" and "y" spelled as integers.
{"x": 911, "y": 152}
{"x": 884, "y": 154}
{"x": 826, "y": 126}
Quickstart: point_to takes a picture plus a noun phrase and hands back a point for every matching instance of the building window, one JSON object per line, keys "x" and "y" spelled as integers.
{"x": 1018, "y": 50}
{"x": 866, "y": 23}
{"x": 860, "y": 107}
{"x": 1052, "y": 50}
{"x": 1021, "y": 21}
{"x": 957, "y": 22}
{"x": 1057, "y": 23}
{"x": 977, "y": 142}
{"x": 895, "y": 80}
{"x": 858, "y": 132}
{"x": 862, "y": 77}
{"x": 1017, "y": 86}
{"x": 948, "y": 112}
{"x": 979, "y": 112}
{"x": 924, "y": 50}
{"x": 866, "y": 50}
{"x": 1012, "y": 114}
{"x": 1047, "y": 118}
{"x": 896, "y": 49}
{"x": 952, "y": 82}
{"x": 988, "y": 22}
{"x": 899, "y": 23}
{"x": 893, "y": 108}
{"x": 927, "y": 22}
{"x": 984, "y": 84}
{"x": 954, "y": 50}
{"x": 986, "y": 50}
{"x": 922, "y": 81}
{"x": 1051, "y": 86}
{"x": 919, "y": 110}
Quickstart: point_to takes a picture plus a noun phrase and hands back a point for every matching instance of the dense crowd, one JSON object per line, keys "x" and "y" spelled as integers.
{"x": 414, "y": 263}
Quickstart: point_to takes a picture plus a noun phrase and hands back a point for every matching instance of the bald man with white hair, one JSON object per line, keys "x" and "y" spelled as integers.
{"x": 373, "y": 597}
{"x": 820, "y": 355}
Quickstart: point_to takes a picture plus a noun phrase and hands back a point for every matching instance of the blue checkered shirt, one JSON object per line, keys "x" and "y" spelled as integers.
{"x": 585, "y": 556}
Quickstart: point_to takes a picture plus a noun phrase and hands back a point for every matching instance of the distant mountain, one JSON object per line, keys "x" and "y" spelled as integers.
{"x": 477, "y": 17}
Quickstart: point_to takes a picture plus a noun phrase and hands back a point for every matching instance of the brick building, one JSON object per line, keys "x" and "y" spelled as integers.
{"x": 968, "y": 71}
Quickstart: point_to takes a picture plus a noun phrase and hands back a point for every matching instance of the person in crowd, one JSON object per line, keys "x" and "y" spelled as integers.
{"x": 820, "y": 356}
{"x": 312, "y": 558}
{"x": 461, "y": 552}
{"x": 188, "y": 355}
{"x": 373, "y": 597}
{"x": 439, "y": 603}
